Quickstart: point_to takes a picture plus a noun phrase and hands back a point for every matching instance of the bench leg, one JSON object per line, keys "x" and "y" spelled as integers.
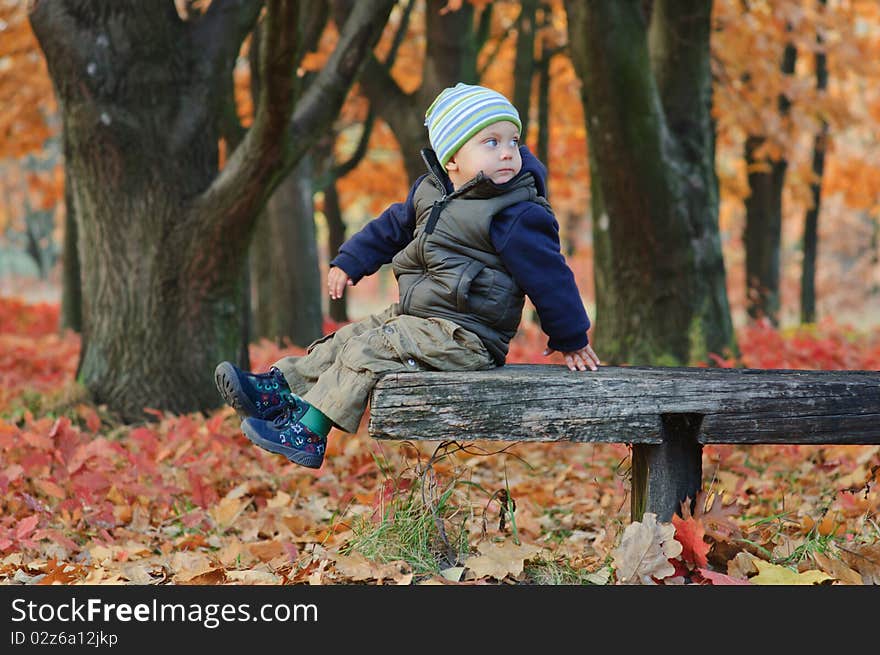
{"x": 664, "y": 475}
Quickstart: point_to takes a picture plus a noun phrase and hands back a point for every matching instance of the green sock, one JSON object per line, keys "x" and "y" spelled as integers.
{"x": 315, "y": 421}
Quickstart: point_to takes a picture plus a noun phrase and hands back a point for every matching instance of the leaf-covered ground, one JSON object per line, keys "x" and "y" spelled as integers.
{"x": 188, "y": 500}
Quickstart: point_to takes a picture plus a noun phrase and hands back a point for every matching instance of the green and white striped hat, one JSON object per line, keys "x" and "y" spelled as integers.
{"x": 461, "y": 111}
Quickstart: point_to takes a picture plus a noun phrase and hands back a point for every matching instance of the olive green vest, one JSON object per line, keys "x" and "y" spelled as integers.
{"x": 451, "y": 269}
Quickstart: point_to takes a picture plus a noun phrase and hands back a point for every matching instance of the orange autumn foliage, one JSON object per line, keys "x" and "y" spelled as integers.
{"x": 27, "y": 103}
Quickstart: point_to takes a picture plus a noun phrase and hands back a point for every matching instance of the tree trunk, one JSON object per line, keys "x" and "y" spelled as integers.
{"x": 543, "y": 143}
{"x": 524, "y": 62}
{"x": 163, "y": 237}
{"x": 262, "y": 279}
{"x": 286, "y": 294}
{"x": 289, "y": 298}
{"x": 660, "y": 281}
{"x": 286, "y": 302}
{"x": 811, "y": 220}
{"x": 763, "y": 230}
{"x": 71, "y": 289}
{"x": 335, "y": 239}
{"x": 450, "y": 57}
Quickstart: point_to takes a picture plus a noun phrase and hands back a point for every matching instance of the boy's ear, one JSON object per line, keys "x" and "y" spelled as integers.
{"x": 451, "y": 165}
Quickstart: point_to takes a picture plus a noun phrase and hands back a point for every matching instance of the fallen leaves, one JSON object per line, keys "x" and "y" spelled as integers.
{"x": 865, "y": 559}
{"x": 645, "y": 550}
{"x": 773, "y": 574}
{"x": 187, "y": 500}
{"x": 499, "y": 560}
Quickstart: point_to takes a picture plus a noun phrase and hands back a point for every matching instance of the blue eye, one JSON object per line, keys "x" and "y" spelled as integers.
{"x": 492, "y": 142}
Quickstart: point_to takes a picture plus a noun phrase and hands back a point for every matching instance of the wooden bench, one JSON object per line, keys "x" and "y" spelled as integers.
{"x": 666, "y": 413}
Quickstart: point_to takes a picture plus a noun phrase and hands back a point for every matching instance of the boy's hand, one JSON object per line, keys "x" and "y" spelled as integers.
{"x": 579, "y": 360}
{"x": 337, "y": 280}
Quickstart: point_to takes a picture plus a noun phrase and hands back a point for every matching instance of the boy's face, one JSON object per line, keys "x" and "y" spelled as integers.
{"x": 493, "y": 150}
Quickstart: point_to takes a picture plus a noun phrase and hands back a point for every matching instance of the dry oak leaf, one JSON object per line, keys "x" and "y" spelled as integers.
{"x": 252, "y": 577}
{"x": 358, "y": 568}
{"x": 772, "y": 574}
{"x": 837, "y": 569}
{"x": 742, "y": 565}
{"x": 864, "y": 559}
{"x": 228, "y": 510}
{"x": 194, "y": 568}
{"x": 500, "y": 560}
{"x": 645, "y": 550}
{"x": 715, "y": 516}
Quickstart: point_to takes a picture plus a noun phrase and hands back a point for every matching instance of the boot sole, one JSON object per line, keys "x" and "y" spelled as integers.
{"x": 308, "y": 460}
{"x": 230, "y": 390}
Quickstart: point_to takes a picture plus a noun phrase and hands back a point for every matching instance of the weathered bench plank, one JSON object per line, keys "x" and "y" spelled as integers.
{"x": 521, "y": 402}
{"x": 666, "y": 413}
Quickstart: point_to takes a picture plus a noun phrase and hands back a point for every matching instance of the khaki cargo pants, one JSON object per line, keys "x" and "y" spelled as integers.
{"x": 338, "y": 372}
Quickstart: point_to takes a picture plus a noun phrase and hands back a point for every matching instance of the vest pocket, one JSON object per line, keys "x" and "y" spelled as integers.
{"x": 462, "y": 291}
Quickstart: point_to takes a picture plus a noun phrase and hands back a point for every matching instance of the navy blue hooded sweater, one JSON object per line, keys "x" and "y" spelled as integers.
{"x": 526, "y": 237}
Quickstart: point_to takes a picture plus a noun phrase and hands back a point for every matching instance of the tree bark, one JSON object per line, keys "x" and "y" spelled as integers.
{"x": 71, "y": 288}
{"x": 286, "y": 300}
{"x": 294, "y": 304}
{"x": 811, "y": 220}
{"x": 335, "y": 238}
{"x": 524, "y": 62}
{"x": 763, "y": 229}
{"x": 660, "y": 279}
{"x": 163, "y": 235}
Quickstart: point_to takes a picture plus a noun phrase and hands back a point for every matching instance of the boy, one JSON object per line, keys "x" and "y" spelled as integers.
{"x": 473, "y": 237}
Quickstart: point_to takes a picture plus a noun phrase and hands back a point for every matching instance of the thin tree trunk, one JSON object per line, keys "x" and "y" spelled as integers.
{"x": 450, "y": 57}
{"x": 811, "y": 220}
{"x": 660, "y": 281}
{"x": 763, "y": 230}
{"x": 71, "y": 288}
{"x": 335, "y": 238}
{"x": 543, "y": 145}
{"x": 285, "y": 274}
{"x": 295, "y": 303}
{"x": 284, "y": 264}
{"x": 262, "y": 279}
{"x": 524, "y": 62}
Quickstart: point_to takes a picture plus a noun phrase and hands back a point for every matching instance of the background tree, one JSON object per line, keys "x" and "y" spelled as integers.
{"x": 811, "y": 220}
{"x": 454, "y": 35}
{"x": 284, "y": 276}
{"x": 163, "y": 232}
{"x": 747, "y": 47}
{"x": 767, "y": 162}
{"x": 28, "y": 117}
{"x": 660, "y": 279}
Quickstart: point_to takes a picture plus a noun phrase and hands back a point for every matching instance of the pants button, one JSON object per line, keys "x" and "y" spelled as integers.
{"x": 388, "y": 329}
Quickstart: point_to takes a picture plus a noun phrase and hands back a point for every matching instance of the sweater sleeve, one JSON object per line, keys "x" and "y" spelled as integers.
{"x": 528, "y": 243}
{"x": 379, "y": 240}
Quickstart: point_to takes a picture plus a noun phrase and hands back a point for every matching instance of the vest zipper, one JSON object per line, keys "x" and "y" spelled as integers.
{"x": 434, "y": 216}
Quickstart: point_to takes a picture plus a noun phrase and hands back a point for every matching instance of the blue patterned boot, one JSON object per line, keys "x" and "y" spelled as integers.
{"x": 261, "y": 395}
{"x": 287, "y": 435}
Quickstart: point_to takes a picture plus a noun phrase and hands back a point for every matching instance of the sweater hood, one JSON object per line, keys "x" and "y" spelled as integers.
{"x": 533, "y": 165}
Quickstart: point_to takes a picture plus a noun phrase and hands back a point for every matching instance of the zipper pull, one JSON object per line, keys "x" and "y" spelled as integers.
{"x": 434, "y": 216}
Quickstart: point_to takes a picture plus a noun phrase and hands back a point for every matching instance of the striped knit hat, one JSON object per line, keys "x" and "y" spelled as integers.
{"x": 461, "y": 111}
